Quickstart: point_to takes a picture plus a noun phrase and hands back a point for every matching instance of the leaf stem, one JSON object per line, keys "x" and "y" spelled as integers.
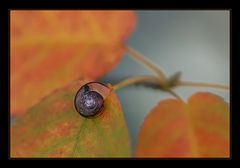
{"x": 147, "y": 62}
{"x": 201, "y": 84}
{"x": 144, "y": 79}
{"x": 174, "y": 94}
{"x": 161, "y": 79}
{"x": 155, "y": 80}
{"x": 135, "y": 80}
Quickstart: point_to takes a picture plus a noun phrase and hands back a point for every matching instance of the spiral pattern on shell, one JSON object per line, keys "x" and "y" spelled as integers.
{"x": 88, "y": 101}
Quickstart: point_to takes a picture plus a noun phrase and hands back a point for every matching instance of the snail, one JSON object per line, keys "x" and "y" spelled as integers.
{"x": 89, "y": 100}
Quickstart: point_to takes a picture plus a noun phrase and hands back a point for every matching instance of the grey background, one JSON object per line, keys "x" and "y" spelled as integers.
{"x": 193, "y": 42}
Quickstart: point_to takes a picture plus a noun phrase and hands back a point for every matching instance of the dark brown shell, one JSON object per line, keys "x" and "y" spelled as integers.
{"x": 89, "y": 100}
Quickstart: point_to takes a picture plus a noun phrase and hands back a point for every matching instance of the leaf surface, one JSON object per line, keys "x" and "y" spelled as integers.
{"x": 199, "y": 128}
{"x": 53, "y": 128}
{"x": 50, "y": 49}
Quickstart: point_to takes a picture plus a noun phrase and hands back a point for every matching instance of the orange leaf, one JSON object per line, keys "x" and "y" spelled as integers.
{"x": 50, "y": 49}
{"x": 53, "y": 128}
{"x": 199, "y": 128}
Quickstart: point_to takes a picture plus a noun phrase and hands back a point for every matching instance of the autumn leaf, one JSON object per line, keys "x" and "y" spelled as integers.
{"x": 50, "y": 49}
{"x": 53, "y": 128}
{"x": 199, "y": 128}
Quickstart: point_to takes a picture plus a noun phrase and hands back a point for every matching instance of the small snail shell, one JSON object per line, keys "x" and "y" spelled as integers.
{"x": 89, "y": 100}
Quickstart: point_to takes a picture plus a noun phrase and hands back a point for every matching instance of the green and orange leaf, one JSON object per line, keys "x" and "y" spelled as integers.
{"x": 50, "y": 49}
{"x": 53, "y": 128}
{"x": 199, "y": 128}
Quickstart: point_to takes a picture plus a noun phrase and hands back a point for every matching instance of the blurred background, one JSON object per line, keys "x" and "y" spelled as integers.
{"x": 193, "y": 42}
